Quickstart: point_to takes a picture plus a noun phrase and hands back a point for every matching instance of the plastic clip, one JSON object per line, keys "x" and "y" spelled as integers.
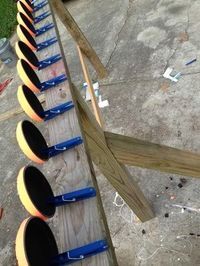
{"x": 52, "y": 82}
{"x": 44, "y": 29}
{"x": 80, "y": 253}
{"x": 61, "y": 147}
{"x": 46, "y": 43}
{"x": 41, "y": 17}
{"x": 58, "y": 110}
{"x": 40, "y": 5}
{"x": 74, "y": 196}
{"x": 49, "y": 61}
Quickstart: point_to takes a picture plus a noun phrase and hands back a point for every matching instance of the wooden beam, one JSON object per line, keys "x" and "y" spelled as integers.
{"x": 135, "y": 152}
{"x": 95, "y": 106}
{"x": 116, "y": 173}
{"x": 83, "y": 222}
{"x": 78, "y": 36}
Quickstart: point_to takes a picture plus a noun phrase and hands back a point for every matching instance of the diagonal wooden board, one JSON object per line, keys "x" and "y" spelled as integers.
{"x": 85, "y": 221}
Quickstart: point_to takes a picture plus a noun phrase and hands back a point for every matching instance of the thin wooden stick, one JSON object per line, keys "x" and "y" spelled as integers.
{"x": 97, "y": 111}
{"x": 78, "y": 36}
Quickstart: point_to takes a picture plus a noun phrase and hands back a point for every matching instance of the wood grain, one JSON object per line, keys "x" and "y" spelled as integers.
{"x": 95, "y": 106}
{"x": 82, "y": 222}
{"x": 116, "y": 173}
{"x": 136, "y": 152}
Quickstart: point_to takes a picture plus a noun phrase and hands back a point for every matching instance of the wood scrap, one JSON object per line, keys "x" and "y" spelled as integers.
{"x": 1, "y": 213}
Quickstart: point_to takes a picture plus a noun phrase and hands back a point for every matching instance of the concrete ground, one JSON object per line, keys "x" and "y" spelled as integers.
{"x": 137, "y": 40}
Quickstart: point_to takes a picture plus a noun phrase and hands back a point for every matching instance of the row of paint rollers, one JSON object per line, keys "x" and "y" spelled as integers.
{"x": 35, "y": 242}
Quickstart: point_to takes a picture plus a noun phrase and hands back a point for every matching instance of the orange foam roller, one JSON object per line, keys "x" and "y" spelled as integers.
{"x": 25, "y": 53}
{"x": 28, "y": 4}
{"x": 20, "y": 244}
{"x": 28, "y": 76}
{"x": 24, "y": 21}
{"x": 31, "y": 142}
{"x": 30, "y": 103}
{"x": 24, "y": 10}
{"x": 26, "y": 37}
{"x": 35, "y": 243}
{"x": 28, "y": 180}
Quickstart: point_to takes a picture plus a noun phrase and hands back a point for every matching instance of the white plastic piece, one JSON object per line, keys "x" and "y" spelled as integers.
{"x": 168, "y": 76}
{"x": 96, "y": 90}
{"x": 101, "y": 103}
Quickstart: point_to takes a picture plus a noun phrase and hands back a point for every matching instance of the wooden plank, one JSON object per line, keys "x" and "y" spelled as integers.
{"x": 83, "y": 222}
{"x": 116, "y": 173}
{"x": 95, "y": 106}
{"x": 78, "y": 36}
{"x": 136, "y": 152}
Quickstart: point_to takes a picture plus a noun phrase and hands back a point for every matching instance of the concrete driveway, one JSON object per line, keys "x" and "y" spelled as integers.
{"x": 137, "y": 40}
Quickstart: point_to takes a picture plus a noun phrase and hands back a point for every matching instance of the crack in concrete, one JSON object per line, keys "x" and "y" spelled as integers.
{"x": 120, "y": 31}
{"x": 188, "y": 21}
{"x": 177, "y": 46}
{"x": 191, "y": 73}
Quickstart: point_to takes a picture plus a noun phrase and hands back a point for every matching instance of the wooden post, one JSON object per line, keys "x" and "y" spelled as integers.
{"x": 76, "y": 33}
{"x": 83, "y": 222}
{"x": 116, "y": 173}
{"x": 95, "y": 106}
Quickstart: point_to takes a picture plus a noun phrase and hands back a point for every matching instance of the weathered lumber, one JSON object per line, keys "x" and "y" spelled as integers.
{"x": 136, "y": 152}
{"x": 95, "y": 106}
{"x": 116, "y": 173}
{"x": 82, "y": 222}
{"x": 78, "y": 36}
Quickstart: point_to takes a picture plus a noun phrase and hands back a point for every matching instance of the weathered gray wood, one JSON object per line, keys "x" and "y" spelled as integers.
{"x": 76, "y": 33}
{"x": 85, "y": 221}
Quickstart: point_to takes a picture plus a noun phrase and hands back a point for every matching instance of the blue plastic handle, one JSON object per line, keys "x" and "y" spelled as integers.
{"x": 42, "y": 16}
{"x": 49, "y": 61}
{"x": 72, "y": 197}
{"x": 44, "y": 29}
{"x": 58, "y": 110}
{"x": 52, "y": 82}
{"x": 46, "y": 43}
{"x": 80, "y": 253}
{"x": 61, "y": 147}
{"x": 40, "y": 5}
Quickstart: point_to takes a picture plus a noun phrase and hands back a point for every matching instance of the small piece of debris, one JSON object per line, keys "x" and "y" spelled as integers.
{"x": 166, "y": 215}
{"x": 183, "y": 37}
{"x": 191, "y": 61}
{"x": 143, "y": 232}
{"x": 183, "y": 180}
{"x": 166, "y": 187}
{"x": 192, "y": 234}
{"x": 172, "y": 197}
{"x": 1, "y": 213}
{"x": 171, "y": 178}
{"x": 180, "y": 185}
{"x": 168, "y": 72}
{"x": 4, "y": 85}
{"x": 179, "y": 133}
{"x": 164, "y": 86}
